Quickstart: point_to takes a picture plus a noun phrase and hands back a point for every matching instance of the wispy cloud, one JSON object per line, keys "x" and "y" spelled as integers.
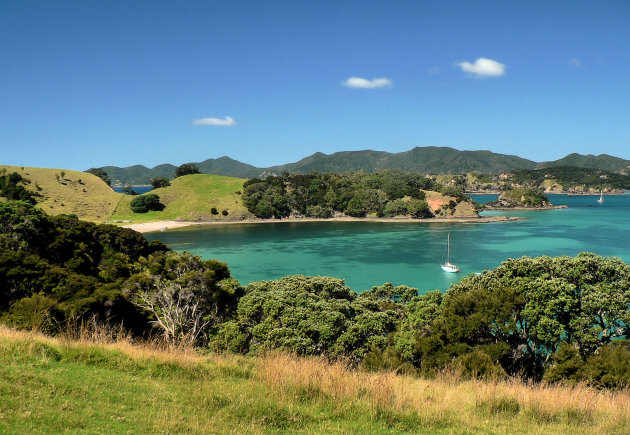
{"x": 227, "y": 122}
{"x": 358, "y": 82}
{"x": 483, "y": 67}
{"x": 434, "y": 70}
{"x": 575, "y": 62}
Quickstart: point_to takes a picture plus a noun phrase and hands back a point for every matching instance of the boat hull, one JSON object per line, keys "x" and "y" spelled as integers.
{"x": 451, "y": 268}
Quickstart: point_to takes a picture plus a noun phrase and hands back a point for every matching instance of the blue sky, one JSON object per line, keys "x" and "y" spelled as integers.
{"x": 92, "y": 83}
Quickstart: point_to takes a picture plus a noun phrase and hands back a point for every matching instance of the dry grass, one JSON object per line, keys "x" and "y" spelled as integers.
{"x": 79, "y": 193}
{"x": 279, "y": 392}
{"x": 513, "y": 405}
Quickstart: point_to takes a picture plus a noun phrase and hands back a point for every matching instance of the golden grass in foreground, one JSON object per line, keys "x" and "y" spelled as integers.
{"x": 74, "y": 192}
{"x": 93, "y": 377}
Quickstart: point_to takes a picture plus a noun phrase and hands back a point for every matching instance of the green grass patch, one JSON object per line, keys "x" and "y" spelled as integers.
{"x": 191, "y": 198}
{"x": 53, "y": 386}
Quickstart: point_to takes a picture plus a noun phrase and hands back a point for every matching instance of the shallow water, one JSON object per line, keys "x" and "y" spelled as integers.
{"x": 370, "y": 253}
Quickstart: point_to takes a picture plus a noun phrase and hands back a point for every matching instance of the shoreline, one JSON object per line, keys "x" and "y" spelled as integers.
{"x": 158, "y": 226}
{"x": 521, "y": 208}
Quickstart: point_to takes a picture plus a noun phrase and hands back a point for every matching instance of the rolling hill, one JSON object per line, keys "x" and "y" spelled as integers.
{"x": 191, "y": 197}
{"x": 601, "y": 161}
{"x": 437, "y": 160}
{"x": 434, "y": 160}
{"x": 70, "y": 192}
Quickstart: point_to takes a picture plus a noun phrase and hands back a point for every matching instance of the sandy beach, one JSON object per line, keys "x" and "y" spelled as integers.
{"x": 150, "y": 227}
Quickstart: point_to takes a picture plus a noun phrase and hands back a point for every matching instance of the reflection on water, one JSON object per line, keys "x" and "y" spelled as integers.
{"x": 368, "y": 253}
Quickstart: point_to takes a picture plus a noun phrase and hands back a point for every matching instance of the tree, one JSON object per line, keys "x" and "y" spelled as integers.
{"x": 185, "y": 295}
{"x": 307, "y": 315}
{"x": 186, "y": 169}
{"x": 128, "y": 190}
{"x": 100, "y": 173}
{"x": 145, "y": 203}
{"x": 159, "y": 182}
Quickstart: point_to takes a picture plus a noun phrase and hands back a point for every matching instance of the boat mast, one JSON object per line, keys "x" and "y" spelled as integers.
{"x": 448, "y": 249}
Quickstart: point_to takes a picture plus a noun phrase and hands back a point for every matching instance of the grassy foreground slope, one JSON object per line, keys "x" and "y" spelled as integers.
{"x": 190, "y": 198}
{"x": 90, "y": 384}
{"x": 70, "y": 192}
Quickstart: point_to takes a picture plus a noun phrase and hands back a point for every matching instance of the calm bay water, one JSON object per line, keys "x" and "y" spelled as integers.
{"x": 367, "y": 254}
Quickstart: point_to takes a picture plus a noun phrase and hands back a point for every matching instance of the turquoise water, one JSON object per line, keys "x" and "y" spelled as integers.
{"x": 367, "y": 253}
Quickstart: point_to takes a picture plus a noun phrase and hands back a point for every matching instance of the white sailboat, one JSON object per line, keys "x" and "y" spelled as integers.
{"x": 601, "y": 196}
{"x": 448, "y": 267}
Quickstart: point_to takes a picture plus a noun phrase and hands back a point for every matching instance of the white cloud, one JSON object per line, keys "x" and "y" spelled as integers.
{"x": 228, "y": 121}
{"x": 358, "y": 82}
{"x": 483, "y": 67}
{"x": 575, "y": 62}
{"x": 434, "y": 70}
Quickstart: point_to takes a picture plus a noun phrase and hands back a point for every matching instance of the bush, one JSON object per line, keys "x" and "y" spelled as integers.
{"x": 144, "y": 203}
{"x": 160, "y": 182}
{"x": 610, "y": 366}
{"x": 100, "y": 173}
{"x": 224, "y": 212}
{"x": 186, "y": 169}
{"x": 214, "y": 210}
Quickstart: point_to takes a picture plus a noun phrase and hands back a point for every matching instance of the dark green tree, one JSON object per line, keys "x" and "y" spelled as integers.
{"x": 159, "y": 182}
{"x": 145, "y": 203}
{"x": 186, "y": 169}
{"x": 100, "y": 173}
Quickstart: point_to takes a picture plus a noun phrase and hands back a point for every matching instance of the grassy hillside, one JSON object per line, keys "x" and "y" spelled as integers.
{"x": 191, "y": 198}
{"x": 80, "y": 193}
{"x": 89, "y": 382}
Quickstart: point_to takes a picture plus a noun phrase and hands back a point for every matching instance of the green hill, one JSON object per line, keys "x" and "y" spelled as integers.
{"x": 70, "y": 192}
{"x": 191, "y": 197}
{"x": 436, "y": 160}
{"x": 601, "y": 161}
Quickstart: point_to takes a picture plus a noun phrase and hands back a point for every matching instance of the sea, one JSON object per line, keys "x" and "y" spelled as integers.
{"x": 367, "y": 254}
{"x": 139, "y": 189}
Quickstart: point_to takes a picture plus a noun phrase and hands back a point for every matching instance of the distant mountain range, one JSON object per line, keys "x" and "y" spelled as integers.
{"x": 434, "y": 160}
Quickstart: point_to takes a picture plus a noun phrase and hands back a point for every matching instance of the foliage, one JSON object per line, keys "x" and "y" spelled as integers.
{"x": 185, "y": 295}
{"x": 519, "y": 197}
{"x": 307, "y": 316}
{"x": 100, "y": 173}
{"x": 128, "y": 190}
{"x": 384, "y": 193}
{"x": 186, "y": 169}
{"x": 55, "y": 268}
{"x": 144, "y": 203}
{"x": 569, "y": 176}
{"x": 12, "y": 187}
{"x": 159, "y": 182}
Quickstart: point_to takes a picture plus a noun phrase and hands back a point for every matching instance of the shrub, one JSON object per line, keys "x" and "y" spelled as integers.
{"x": 160, "y": 182}
{"x": 186, "y": 169}
{"x": 100, "y": 173}
{"x": 144, "y": 203}
{"x": 224, "y": 212}
{"x": 214, "y": 210}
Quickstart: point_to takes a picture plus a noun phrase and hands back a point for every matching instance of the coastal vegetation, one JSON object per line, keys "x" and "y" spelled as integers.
{"x": 520, "y": 198}
{"x": 358, "y": 194}
{"x": 557, "y": 319}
